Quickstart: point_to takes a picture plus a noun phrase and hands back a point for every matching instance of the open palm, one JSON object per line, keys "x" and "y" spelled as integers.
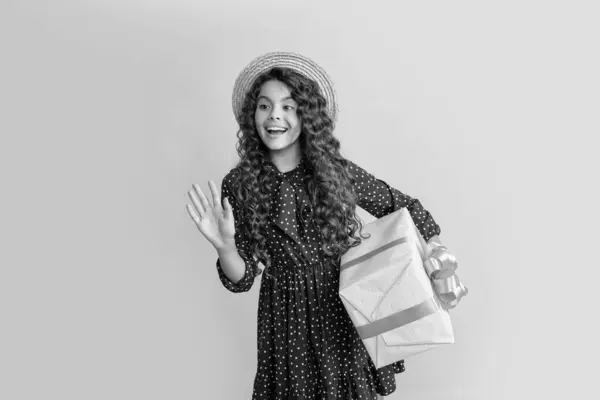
{"x": 215, "y": 222}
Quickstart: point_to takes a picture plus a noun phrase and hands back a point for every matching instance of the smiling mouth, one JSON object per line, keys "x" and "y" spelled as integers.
{"x": 276, "y": 131}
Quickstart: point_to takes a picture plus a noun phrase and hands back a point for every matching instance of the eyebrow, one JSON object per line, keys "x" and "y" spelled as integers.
{"x": 262, "y": 96}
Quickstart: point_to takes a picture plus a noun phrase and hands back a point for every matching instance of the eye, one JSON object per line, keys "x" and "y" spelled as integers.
{"x": 288, "y": 108}
{"x": 262, "y": 106}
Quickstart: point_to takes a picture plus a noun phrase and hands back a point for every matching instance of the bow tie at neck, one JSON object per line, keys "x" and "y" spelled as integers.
{"x": 291, "y": 210}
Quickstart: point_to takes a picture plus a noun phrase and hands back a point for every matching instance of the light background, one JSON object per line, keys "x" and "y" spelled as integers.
{"x": 485, "y": 111}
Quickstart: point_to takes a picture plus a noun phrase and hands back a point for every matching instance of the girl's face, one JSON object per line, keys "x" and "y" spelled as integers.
{"x": 276, "y": 118}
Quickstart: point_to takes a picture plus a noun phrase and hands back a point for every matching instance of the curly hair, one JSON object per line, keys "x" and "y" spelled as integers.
{"x": 329, "y": 183}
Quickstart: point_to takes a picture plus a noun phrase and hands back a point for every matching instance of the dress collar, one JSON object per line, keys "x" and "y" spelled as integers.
{"x": 300, "y": 167}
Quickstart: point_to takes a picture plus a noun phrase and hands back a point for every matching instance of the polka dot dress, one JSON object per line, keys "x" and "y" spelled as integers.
{"x": 308, "y": 348}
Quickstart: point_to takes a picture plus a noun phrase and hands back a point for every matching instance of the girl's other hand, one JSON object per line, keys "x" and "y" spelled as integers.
{"x": 215, "y": 222}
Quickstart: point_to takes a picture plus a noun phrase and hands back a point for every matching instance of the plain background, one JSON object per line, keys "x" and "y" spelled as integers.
{"x": 110, "y": 110}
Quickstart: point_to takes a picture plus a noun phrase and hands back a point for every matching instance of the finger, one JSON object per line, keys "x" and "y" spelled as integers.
{"x": 205, "y": 203}
{"x": 216, "y": 196}
{"x": 193, "y": 214}
{"x": 199, "y": 207}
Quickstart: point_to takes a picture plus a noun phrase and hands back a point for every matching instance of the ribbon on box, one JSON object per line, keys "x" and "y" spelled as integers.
{"x": 440, "y": 266}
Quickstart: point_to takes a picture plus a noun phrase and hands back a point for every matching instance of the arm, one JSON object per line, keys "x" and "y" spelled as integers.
{"x": 235, "y": 264}
{"x": 380, "y": 199}
{"x": 232, "y": 264}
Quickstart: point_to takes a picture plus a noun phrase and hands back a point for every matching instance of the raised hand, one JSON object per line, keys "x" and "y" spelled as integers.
{"x": 215, "y": 222}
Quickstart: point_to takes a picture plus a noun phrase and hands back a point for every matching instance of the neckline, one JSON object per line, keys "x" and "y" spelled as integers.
{"x": 290, "y": 172}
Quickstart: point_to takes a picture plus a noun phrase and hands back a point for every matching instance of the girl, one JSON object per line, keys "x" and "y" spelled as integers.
{"x": 290, "y": 204}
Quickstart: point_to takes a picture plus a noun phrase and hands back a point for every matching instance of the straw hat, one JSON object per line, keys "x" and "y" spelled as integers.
{"x": 296, "y": 62}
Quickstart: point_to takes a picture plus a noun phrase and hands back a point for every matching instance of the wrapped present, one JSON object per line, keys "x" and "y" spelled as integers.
{"x": 397, "y": 290}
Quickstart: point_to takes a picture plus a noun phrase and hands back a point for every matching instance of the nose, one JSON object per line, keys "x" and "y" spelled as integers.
{"x": 275, "y": 114}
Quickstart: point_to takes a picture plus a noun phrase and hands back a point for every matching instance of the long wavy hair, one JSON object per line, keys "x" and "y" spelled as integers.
{"x": 328, "y": 180}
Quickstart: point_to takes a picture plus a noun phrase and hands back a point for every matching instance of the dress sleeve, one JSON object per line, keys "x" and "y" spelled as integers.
{"x": 380, "y": 199}
{"x": 242, "y": 245}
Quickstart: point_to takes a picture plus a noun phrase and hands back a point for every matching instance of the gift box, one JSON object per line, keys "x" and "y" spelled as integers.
{"x": 397, "y": 290}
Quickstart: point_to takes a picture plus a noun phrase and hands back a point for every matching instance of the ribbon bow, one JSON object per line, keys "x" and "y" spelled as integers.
{"x": 440, "y": 266}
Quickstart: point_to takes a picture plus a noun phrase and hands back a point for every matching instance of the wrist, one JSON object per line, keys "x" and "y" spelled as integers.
{"x": 435, "y": 241}
{"x": 226, "y": 248}
{"x": 434, "y": 244}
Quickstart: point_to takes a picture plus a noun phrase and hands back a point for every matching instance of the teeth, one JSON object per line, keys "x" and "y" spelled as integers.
{"x": 279, "y": 130}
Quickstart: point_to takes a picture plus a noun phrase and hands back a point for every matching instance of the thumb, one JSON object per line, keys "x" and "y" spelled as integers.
{"x": 227, "y": 208}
